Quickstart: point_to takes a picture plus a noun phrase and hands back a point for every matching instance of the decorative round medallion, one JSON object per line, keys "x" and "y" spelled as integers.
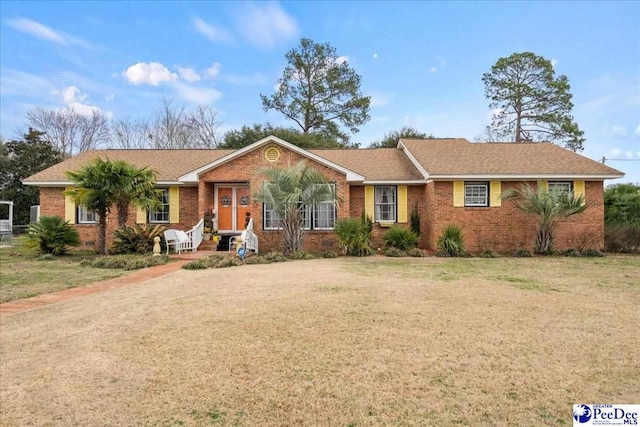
{"x": 225, "y": 201}
{"x": 272, "y": 154}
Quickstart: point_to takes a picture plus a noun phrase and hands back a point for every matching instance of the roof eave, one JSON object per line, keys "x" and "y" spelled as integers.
{"x": 413, "y": 160}
{"x": 520, "y": 177}
{"x": 69, "y": 183}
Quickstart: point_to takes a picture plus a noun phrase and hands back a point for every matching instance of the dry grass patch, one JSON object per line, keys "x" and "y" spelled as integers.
{"x": 358, "y": 342}
{"x": 24, "y": 274}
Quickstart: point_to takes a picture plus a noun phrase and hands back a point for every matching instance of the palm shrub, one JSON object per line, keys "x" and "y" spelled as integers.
{"x": 137, "y": 239}
{"x": 551, "y": 207}
{"x": 52, "y": 235}
{"x": 622, "y": 218}
{"x": 400, "y": 238}
{"x": 354, "y": 235}
{"x": 451, "y": 242}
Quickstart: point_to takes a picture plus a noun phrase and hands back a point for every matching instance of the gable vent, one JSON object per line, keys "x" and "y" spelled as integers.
{"x": 272, "y": 154}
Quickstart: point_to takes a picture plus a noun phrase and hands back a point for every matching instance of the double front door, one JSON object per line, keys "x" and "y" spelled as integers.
{"x": 232, "y": 204}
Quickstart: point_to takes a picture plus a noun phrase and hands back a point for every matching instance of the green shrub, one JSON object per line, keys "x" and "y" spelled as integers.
{"x": 256, "y": 259}
{"x": 591, "y": 253}
{"x": 198, "y": 264}
{"x": 329, "y": 254}
{"x": 301, "y": 255}
{"x": 415, "y": 219}
{"x": 228, "y": 261}
{"x": 400, "y": 238}
{"x": 126, "y": 262}
{"x": 417, "y": 253}
{"x": 488, "y": 253}
{"x": 394, "y": 252}
{"x": 275, "y": 257}
{"x": 570, "y": 252}
{"x": 354, "y": 235}
{"x": 52, "y": 235}
{"x": 522, "y": 253}
{"x": 136, "y": 240}
{"x": 622, "y": 238}
{"x": 451, "y": 242}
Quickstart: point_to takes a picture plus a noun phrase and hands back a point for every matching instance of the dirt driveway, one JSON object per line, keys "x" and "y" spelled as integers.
{"x": 372, "y": 341}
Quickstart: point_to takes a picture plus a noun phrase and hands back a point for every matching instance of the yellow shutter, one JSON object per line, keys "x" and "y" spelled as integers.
{"x": 543, "y": 185}
{"x": 174, "y": 205}
{"x": 69, "y": 208}
{"x": 369, "y": 205}
{"x": 495, "y": 192}
{"x": 458, "y": 193}
{"x": 141, "y": 216}
{"x": 578, "y": 189}
{"x": 402, "y": 204}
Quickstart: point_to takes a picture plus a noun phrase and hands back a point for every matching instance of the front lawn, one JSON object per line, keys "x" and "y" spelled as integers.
{"x": 339, "y": 342}
{"x": 25, "y": 274}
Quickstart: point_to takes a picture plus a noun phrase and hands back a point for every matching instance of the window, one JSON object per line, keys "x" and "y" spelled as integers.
{"x": 162, "y": 213}
{"x": 476, "y": 194}
{"x": 561, "y": 188}
{"x": 385, "y": 203}
{"x": 320, "y": 216}
{"x": 271, "y": 218}
{"x": 85, "y": 216}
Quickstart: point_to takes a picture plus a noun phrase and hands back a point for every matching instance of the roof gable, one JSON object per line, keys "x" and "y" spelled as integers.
{"x": 192, "y": 176}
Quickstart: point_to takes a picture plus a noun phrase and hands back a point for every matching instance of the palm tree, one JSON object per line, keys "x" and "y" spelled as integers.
{"x": 550, "y": 206}
{"x": 288, "y": 192}
{"x": 103, "y": 183}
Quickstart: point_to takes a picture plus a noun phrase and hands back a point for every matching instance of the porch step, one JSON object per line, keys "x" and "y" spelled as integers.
{"x": 209, "y": 245}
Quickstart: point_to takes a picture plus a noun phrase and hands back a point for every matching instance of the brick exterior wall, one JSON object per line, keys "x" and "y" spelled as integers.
{"x": 505, "y": 228}
{"x": 502, "y": 229}
{"x": 247, "y": 169}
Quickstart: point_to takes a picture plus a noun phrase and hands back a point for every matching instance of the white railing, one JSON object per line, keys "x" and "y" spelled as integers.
{"x": 195, "y": 235}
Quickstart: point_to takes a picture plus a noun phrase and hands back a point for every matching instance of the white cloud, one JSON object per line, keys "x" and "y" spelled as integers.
{"x": 637, "y": 132}
{"x": 110, "y": 97}
{"x": 618, "y": 131}
{"x": 152, "y": 73}
{"x": 375, "y": 55}
{"x": 433, "y": 70}
{"x": 72, "y": 98}
{"x": 380, "y": 99}
{"x": 213, "y": 71}
{"x": 554, "y": 62}
{"x": 255, "y": 79}
{"x": 342, "y": 59}
{"x": 188, "y": 74}
{"x": 37, "y": 29}
{"x": 213, "y": 33}
{"x": 441, "y": 61}
{"x": 197, "y": 95}
{"x": 266, "y": 24}
{"x": 43, "y": 32}
{"x": 615, "y": 152}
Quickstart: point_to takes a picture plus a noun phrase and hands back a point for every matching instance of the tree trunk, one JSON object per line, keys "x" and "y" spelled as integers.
{"x": 123, "y": 213}
{"x": 101, "y": 246}
{"x": 518, "y": 128}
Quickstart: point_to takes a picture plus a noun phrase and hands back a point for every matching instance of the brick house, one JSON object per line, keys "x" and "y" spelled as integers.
{"x": 448, "y": 181}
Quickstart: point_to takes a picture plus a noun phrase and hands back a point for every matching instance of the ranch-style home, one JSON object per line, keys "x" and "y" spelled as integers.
{"x": 448, "y": 181}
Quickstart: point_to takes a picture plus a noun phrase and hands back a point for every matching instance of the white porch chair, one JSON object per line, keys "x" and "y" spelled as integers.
{"x": 184, "y": 240}
{"x": 247, "y": 239}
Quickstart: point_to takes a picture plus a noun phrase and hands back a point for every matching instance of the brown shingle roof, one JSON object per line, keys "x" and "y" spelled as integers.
{"x": 382, "y": 164}
{"x": 169, "y": 164}
{"x": 461, "y": 157}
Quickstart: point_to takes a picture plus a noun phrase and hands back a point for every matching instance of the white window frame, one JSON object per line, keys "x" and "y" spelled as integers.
{"x": 379, "y": 204}
{"x": 161, "y": 216}
{"x": 83, "y": 215}
{"x": 560, "y": 187}
{"x": 270, "y": 218}
{"x": 310, "y": 215}
{"x": 472, "y": 194}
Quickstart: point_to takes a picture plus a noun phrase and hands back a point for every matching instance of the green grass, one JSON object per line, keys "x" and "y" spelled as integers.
{"x": 23, "y": 274}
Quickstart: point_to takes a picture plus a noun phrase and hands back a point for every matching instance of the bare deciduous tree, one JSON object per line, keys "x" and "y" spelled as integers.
{"x": 126, "y": 133}
{"x": 68, "y": 131}
{"x": 203, "y": 123}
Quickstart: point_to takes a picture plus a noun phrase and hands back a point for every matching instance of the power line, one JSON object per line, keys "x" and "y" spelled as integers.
{"x": 604, "y": 159}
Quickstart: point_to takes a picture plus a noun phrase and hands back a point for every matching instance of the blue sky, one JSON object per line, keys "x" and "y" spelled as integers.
{"x": 421, "y": 62}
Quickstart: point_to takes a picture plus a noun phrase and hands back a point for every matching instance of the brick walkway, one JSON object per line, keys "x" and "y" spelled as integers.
{"x": 138, "y": 276}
